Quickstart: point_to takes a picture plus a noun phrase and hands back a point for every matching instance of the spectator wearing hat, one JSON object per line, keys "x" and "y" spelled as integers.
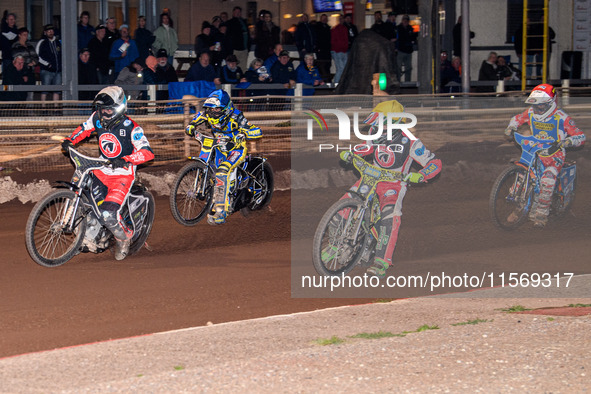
{"x": 49, "y": 50}
{"x": 124, "y": 50}
{"x": 283, "y": 71}
{"x": 143, "y": 38}
{"x": 9, "y": 37}
{"x": 132, "y": 74}
{"x": 231, "y": 73}
{"x": 99, "y": 49}
{"x": 165, "y": 73}
{"x": 85, "y": 31}
{"x": 204, "y": 42}
{"x": 164, "y": 70}
{"x": 22, "y": 47}
{"x": 166, "y": 37}
{"x": 87, "y": 74}
{"x": 238, "y": 35}
{"x": 202, "y": 70}
{"x": 390, "y": 27}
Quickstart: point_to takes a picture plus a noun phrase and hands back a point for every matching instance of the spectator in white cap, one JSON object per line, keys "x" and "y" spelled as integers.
{"x": 124, "y": 50}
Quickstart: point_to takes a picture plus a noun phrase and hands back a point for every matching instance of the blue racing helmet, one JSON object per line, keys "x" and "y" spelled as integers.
{"x": 217, "y": 108}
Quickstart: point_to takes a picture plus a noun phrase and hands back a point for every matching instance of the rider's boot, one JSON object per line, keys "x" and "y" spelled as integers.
{"x": 121, "y": 232}
{"x": 539, "y": 215}
{"x": 388, "y": 236}
{"x": 219, "y": 201}
{"x": 122, "y": 248}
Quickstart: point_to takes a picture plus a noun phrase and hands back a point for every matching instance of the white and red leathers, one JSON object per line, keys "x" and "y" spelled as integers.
{"x": 397, "y": 155}
{"x": 124, "y": 140}
{"x": 555, "y": 126}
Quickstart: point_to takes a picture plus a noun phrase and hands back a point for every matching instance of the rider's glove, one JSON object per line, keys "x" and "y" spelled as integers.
{"x": 509, "y": 131}
{"x": 199, "y": 137}
{"x": 118, "y": 163}
{"x": 239, "y": 138}
{"x": 66, "y": 145}
{"x": 190, "y": 130}
{"x": 346, "y": 156}
{"x": 414, "y": 177}
{"x": 566, "y": 143}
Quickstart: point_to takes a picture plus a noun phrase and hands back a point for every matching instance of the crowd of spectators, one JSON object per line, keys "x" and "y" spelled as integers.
{"x": 108, "y": 54}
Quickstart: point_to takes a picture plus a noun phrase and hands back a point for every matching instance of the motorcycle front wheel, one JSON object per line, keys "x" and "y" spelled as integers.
{"x": 511, "y": 198}
{"x": 190, "y": 197}
{"x": 335, "y": 252}
{"x": 49, "y": 241}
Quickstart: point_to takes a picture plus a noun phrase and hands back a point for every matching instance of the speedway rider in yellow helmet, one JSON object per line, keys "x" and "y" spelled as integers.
{"x": 225, "y": 121}
{"x": 397, "y": 154}
{"x": 547, "y": 122}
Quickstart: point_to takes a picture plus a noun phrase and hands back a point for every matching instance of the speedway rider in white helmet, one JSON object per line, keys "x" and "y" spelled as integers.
{"x": 123, "y": 143}
{"x": 547, "y": 122}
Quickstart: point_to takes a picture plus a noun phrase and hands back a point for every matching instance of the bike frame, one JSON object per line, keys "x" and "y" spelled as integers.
{"x": 206, "y": 157}
{"x": 371, "y": 175}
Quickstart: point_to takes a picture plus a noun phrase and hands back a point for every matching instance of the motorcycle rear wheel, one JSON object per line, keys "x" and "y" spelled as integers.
{"x": 144, "y": 231}
{"x": 262, "y": 185}
{"x": 511, "y": 198}
{"x": 47, "y": 242}
{"x": 333, "y": 251}
{"x": 187, "y": 205}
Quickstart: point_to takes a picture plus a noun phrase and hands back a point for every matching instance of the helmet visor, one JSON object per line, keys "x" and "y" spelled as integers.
{"x": 540, "y": 109}
{"x": 214, "y": 112}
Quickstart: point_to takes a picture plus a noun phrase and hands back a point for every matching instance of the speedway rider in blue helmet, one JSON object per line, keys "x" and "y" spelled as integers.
{"x": 225, "y": 121}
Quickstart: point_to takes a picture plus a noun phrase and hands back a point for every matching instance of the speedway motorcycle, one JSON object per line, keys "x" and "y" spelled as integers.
{"x": 347, "y": 234}
{"x": 67, "y": 221}
{"x": 191, "y": 195}
{"x": 513, "y": 193}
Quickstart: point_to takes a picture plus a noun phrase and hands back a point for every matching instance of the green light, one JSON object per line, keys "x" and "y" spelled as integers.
{"x": 382, "y": 81}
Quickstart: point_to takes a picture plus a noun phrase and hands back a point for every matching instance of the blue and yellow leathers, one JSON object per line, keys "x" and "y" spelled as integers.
{"x": 238, "y": 129}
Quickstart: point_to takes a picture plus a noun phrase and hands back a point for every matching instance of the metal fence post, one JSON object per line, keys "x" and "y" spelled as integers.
{"x": 500, "y": 86}
{"x": 565, "y": 92}
{"x": 298, "y": 92}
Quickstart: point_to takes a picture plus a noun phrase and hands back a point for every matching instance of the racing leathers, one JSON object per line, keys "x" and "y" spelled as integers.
{"x": 227, "y": 158}
{"x": 557, "y": 127}
{"x": 397, "y": 155}
{"x": 126, "y": 144}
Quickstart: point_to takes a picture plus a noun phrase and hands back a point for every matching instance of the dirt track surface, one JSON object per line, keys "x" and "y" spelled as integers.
{"x": 192, "y": 277}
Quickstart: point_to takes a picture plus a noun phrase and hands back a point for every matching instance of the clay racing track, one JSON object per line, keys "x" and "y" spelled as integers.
{"x": 193, "y": 276}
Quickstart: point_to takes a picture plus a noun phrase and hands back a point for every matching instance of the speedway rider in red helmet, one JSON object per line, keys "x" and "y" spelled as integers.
{"x": 547, "y": 122}
{"x": 123, "y": 143}
{"x": 225, "y": 121}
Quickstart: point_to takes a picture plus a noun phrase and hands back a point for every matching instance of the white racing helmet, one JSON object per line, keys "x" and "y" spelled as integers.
{"x": 543, "y": 101}
{"x": 111, "y": 105}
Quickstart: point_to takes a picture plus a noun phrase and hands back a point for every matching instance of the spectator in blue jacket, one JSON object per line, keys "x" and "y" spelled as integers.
{"x": 124, "y": 50}
{"x": 49, "y": 50}
{"x": 307, "y": 73}
{"x": 231, "y": 73}
{"x": 85, "y": 31}
{"x": 277, "y": 49}
{"x": 202, "y": 70}
{"x": 283, "y": 71}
